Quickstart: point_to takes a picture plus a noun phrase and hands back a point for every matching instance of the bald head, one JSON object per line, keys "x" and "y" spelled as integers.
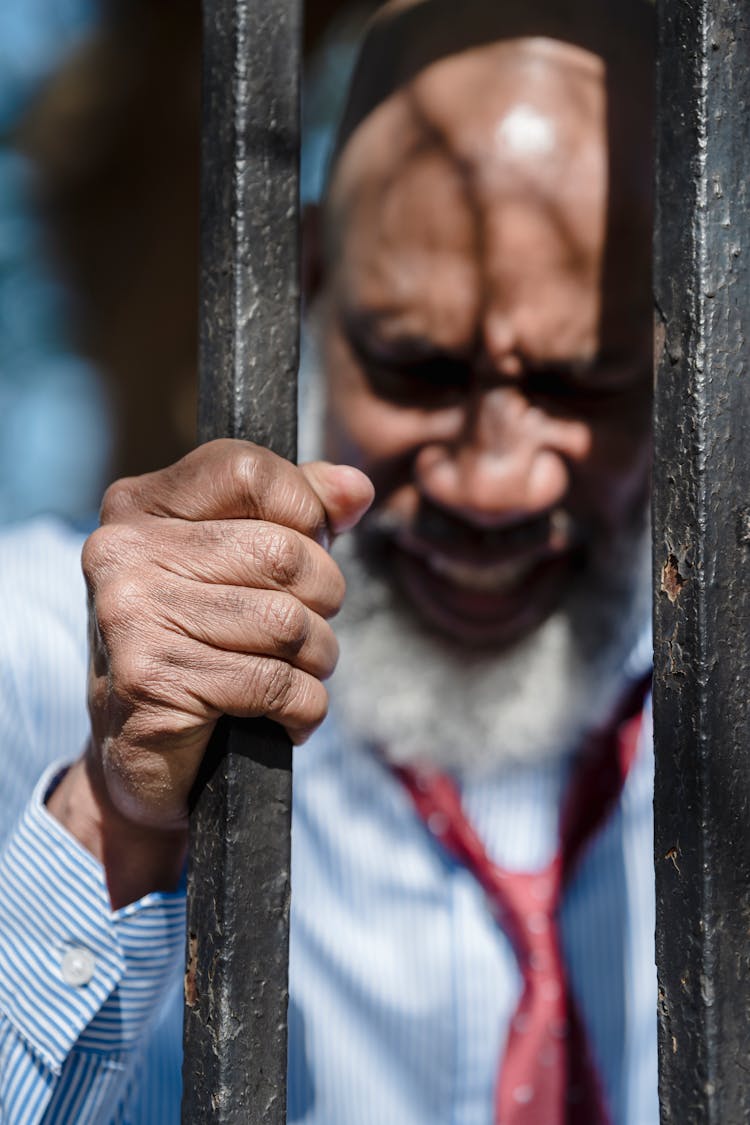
{"x": 485, "y": 159}
{"x": 406, "y": 36}
{"x": 491, "y": 55}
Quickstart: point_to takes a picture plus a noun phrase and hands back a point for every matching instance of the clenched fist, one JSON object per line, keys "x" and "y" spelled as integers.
{"x": 210, "y": 591}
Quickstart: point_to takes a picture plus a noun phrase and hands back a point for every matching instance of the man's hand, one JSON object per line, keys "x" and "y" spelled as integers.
{"x": 210, "y": 592}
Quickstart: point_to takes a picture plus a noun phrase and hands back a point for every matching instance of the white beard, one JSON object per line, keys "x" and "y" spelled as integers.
{"x": 418, "y": 697}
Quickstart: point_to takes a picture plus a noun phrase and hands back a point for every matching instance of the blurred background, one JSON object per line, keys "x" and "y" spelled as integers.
{"x": 99, "y": 172}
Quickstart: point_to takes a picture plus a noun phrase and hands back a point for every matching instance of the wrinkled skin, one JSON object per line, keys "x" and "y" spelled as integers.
{"x": 210, "y": 592}
{"x": 487, "y": 344}
{"x": 488, "y": 369}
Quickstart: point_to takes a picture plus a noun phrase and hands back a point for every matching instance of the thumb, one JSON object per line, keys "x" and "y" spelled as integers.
{"x": 344, "y": 491}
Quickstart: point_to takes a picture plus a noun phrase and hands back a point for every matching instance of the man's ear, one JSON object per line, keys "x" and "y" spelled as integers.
{"x": 311, "y": 264}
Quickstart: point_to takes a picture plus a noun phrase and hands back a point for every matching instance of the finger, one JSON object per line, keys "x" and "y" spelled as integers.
{"x": 251, "y": 553}
{"x": 344, "y": 491}
{"x": 250, "y": 687}
{"x": 230, "y": 479}
{"x": 224, "y": 479}
{"x": 259, "y": 622}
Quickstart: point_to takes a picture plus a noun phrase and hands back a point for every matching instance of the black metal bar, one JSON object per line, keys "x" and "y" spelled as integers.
{"x": 238, "y": 883}
{"x": 702, "y": 554}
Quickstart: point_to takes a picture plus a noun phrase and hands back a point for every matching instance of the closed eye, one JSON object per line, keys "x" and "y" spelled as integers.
{"x": 439, "y": 371}
{"x": 591, "y": 387}
{"x": 424, "y": 379}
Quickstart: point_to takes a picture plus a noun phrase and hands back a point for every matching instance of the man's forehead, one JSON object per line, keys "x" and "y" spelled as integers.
{"x": 412, "y": 237}
{"x": 407, "y": 36}
{"x": 487, "y": 182}
{"x": 433, "y": 182}
{"x": 525, "y": 116}
{"x": 510, "y": 112}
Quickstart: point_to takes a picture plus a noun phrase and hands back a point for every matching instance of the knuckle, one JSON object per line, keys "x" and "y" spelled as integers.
{"x": 154, "y": 686}
{"x": 289, "y": 622}
{"x": 272, "y": 486}
{"x": 325, "y": 586}
{"x": 118, "y": 604}
{"x": 119, "y": 498}
{"x": 248, "y": 468}
{"x": 95, "y": 553}
{"x": 110, "y": 546}
{"x": 130, "y": 672}
{"x": 278, "y": 681}
{"x": 207, "y": 449}
{"x": 313, "y": 705}
{"x": 280, "y": 554}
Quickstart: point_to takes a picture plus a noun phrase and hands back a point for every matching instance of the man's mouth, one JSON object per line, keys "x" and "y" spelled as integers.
{"x": 485, "y": 578}
{"x": 489, "y": 561}
{"x": 487, "y": 588}
{"x": 480, "y": 585}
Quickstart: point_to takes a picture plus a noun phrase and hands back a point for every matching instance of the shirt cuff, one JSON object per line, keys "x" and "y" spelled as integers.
{"x": 75, "y": 973}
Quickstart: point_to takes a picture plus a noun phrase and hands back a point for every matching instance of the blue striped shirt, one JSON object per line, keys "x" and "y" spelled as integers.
{"x": 402, "y": 985}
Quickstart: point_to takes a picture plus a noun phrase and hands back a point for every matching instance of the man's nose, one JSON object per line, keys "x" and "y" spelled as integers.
{"x": 498, "y": 469}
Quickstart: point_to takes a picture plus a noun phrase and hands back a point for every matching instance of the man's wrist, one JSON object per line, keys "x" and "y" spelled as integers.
{"x": 136, "y": 860}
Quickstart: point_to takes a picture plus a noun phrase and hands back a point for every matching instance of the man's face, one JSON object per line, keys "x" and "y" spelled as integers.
{"x": 486, "y": 332}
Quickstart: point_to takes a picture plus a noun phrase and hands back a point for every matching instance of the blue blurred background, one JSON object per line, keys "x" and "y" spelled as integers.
{"x": 99, "y": 170}
{"x": 55, "y": 429}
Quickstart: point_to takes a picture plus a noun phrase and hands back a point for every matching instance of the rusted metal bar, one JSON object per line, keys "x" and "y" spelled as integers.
{"x": 702, "y": 555}
{"x": 238, "y": 883}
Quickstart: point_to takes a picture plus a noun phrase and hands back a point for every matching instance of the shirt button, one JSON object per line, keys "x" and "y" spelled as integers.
{"x": 77, "y": 966}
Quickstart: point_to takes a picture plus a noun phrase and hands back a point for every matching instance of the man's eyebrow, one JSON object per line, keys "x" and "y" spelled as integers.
{"x": 363, "y": 331}
{"x": 572, "y": 367}
{"x": 578, "y": 367}
{"x": 606, "y": 371}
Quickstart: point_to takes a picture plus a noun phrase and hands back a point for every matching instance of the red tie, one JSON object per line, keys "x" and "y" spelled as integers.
{"x": 548, "y": 1075}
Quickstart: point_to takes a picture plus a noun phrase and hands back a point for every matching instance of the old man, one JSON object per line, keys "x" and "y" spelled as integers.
{"x": 472, "y": 918}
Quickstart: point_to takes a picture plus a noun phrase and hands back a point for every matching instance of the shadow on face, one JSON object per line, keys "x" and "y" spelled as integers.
{"x": 486, "y": 301}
